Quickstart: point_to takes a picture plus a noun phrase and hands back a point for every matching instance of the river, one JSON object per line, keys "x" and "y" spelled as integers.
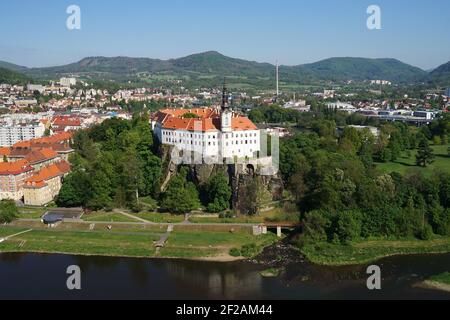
{"x": 42, "y": 276}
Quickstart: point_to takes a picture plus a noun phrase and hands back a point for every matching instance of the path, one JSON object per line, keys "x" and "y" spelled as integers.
{"x": 132, "y": 216}
{"x": 14, "y": 235}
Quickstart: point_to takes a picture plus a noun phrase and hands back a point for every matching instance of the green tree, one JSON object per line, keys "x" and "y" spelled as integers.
{"x": 425, "y": 154}
{"x": 8, "y": 211}
{"x": 181, "y": 195}
{"x": 219, "y": 193}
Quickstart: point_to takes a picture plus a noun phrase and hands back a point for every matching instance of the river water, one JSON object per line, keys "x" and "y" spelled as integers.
{"x": 39, "y": 276}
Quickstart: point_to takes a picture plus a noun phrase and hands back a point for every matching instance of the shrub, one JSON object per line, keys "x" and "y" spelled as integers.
{"x": 426, "y": 233}
{"x": 235, "y": 252}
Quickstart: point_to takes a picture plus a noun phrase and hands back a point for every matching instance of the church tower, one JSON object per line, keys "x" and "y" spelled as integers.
{"x": 226, "y": 112}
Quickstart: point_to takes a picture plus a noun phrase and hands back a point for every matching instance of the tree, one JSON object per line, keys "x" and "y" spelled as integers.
{"x": 425, "y": 154}
{"x": 75, "y": 190}
{"x": 181, "y": 195}
{"x": 5, "y": 158}
{"x": 219, "y": 193}
{"x": 8, "y": 211}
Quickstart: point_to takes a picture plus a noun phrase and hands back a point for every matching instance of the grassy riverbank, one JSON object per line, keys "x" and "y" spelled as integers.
{"x": 371, "y": 250}
{"x": 127, "y": 242}
{"x": 438, "y": 282}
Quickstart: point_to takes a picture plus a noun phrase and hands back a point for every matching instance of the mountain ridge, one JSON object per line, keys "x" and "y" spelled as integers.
{"x": 212, "y": 64}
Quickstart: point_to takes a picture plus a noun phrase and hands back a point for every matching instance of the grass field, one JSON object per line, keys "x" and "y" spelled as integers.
{"x": 198, "y": 244}
{"x": 407, "y": 162}
{"x": 31, "y": 213}
{"x": 372, "y": 250}
{"x": 101, "y": 216}
{"x": 160, "y": 217}
{"x": 135, "y": 241}
{"x": 81, "y": 242}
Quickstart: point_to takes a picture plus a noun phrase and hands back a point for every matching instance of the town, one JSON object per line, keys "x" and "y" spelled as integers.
{"x": 337, "y": 173}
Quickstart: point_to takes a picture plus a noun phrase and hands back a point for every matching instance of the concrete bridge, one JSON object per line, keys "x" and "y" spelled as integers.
{"x": 263, "y": 227}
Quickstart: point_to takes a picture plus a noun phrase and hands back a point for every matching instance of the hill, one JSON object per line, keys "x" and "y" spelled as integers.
{"x": 12, "y": 77}
{"x": 365, "y": 69}
{"x": 211, "y": 66}
{"x": 441, "y": 75}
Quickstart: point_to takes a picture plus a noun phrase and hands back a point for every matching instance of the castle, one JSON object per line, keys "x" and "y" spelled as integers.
{"x": 214, "y": 132}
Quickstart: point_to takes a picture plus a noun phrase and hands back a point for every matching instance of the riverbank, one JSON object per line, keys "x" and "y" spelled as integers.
{"x": 438, "y": 282}
{"x": 136, "y": 241}
{"x": 372, "y": 250}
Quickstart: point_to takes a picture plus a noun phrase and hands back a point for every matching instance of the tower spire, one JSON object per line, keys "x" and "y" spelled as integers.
{"x": 224, "y": 96}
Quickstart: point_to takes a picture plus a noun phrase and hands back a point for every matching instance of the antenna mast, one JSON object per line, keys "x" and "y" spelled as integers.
{"x": 277, "y": 76}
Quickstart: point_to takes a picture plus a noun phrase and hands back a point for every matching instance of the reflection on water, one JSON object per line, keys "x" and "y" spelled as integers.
{"x": 44, "y": 276}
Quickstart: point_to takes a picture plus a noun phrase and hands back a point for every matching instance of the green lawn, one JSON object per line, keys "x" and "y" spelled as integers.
{"x": 31, "y": 212}
{"x": 101, "y": 216}
{"x": 200, "y": 244}
{"x": 160, "y": 217}
{"x": 138, "y": 242}
{"x": 371, "y": 250}
{"x": 4, "y": 232}
{"x": 407, "y": 163}
{"x": 82, "y": 242}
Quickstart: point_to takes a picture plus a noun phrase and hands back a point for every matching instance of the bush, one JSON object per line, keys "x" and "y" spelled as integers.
{"x": 349, "y": 226}
{"x": 235, "y": 252}
{"x": 426, "y": 233}
{"x": 249, "y": 250}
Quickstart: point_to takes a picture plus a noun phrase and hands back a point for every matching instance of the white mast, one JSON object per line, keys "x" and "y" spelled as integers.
{"x": 278, "y": 88}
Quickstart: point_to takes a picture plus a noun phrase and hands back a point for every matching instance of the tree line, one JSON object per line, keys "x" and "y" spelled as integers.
{"x": 117, "y": 162}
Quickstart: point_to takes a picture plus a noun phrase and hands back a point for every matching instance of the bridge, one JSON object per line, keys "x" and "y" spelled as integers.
{"x": 262, "y": 228}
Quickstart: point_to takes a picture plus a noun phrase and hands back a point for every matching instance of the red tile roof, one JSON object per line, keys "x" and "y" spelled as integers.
{"x": 40, "y": 155}
{"x": 46, "y": 173}
{"x": 208, "y": 120}
{"x": 14, "y": 168}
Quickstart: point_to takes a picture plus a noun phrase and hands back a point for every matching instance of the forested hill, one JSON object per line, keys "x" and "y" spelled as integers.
{"x": 12, "y": 77}
{"x": 211, "y": 64}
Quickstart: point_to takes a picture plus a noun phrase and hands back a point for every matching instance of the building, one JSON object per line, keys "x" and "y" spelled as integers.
{"x": 12, "y": 179}
{"x": 215, "y": 133}
{"x": 41, "y": 188}
{"x": 66, "y": 123}
{"x": 35, "y": 87}
{"x": 347, "y": 107}
{"x": 67, "y": 82}
{"x": 447, "y": 93}
{"x": 12, "y": 132}
{"x": 34, "y": 169}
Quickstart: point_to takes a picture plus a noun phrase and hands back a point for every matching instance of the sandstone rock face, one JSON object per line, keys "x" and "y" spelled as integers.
{"x": 240, "y": 177}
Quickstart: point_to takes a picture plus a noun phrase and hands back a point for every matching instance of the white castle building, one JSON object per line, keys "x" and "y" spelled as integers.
{"x": 215, "y": 132}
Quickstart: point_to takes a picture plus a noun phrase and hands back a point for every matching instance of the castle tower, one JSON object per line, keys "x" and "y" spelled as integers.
{"x": 226, "y": 112}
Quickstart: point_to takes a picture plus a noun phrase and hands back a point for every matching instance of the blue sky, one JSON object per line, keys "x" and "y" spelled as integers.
{"x": 34, "y": 32}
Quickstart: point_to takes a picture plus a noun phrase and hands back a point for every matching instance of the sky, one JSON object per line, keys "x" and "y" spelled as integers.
{"x": 293, "y": 32}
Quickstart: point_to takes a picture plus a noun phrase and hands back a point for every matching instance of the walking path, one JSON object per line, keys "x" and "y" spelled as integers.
{"x": 14, "y": 235}
{"x": 133, "y": 216}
